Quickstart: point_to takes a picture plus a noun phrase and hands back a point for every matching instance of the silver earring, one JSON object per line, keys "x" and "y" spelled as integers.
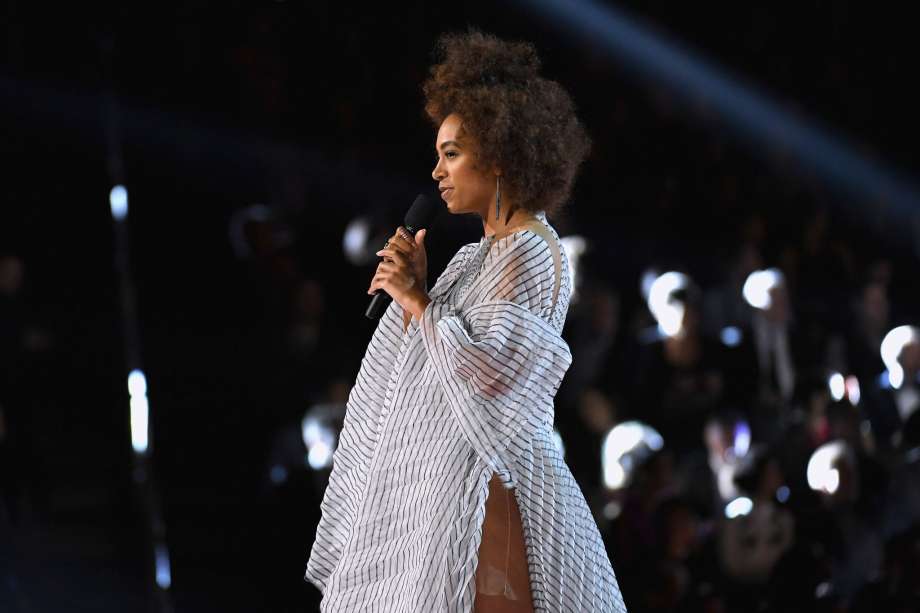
{"x": 498, "y": 195}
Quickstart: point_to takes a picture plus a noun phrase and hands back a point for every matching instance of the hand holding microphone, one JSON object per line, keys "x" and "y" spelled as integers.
{"x": 402, "y": 274}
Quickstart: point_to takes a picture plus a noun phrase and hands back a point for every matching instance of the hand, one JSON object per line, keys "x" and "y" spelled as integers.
{"x": 413, "y": 249}
{"x": 403, "y": 272}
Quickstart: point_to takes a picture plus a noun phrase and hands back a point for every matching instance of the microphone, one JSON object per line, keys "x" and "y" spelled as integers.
{"x": 420, "y": 215}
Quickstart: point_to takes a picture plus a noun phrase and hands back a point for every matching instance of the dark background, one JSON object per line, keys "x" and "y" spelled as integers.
{"x": 314, "y": 109}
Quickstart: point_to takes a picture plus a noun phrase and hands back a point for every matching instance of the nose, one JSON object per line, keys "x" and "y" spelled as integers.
{"x": 438, "y": 173}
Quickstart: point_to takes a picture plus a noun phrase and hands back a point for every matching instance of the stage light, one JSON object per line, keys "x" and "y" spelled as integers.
{"x": 731, "y": 336}
{"x": 140, "y": 410}
{"x": 669, "y": 313}
{"x": 140, "y": 413}
{"x": 837, "y": 386}
{"x": 821, "y": 472}
{"x": 646, "y": 281}
{"x": 137, "y": 383}
{"x": 624, "y": 447}
{"x": 557, "y": 440}
{"x": 739, "y": 507}
{"x": 614, "y": 475}
{"x": 612, "y": 510}
{"x": 852, "y": 388}
{"x": 891, "y": 348}
{"x": 741, "y": 439}
{"x": 782, "y": 494}
{"x": 757, "y": 287}
{"x": 164, "y": 574}
{"x": 118, "y": 201}
{"x": 355, "y": 241}
{"x": 319, "y": 439}
{"x": 320, "y": 455}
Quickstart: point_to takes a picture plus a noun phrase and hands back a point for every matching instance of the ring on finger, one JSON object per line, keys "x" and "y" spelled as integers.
{"x": 404, "y": 235}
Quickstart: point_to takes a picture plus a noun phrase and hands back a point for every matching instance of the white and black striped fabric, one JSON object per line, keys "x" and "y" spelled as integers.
{"x": 435, "y": 411}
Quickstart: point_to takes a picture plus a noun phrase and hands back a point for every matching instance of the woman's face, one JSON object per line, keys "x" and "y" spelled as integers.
{"x": 464, "y": 185}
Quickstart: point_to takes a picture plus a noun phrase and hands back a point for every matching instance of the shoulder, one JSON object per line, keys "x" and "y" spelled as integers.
{"x": 521, "y": 252}
{"x": 519, "y": 268}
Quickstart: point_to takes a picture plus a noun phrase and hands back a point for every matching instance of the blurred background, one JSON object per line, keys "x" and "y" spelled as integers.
{"x": 190, "y": 201}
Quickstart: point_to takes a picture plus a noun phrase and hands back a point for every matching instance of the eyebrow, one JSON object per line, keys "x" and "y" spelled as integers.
{"x": 450, "y": 142}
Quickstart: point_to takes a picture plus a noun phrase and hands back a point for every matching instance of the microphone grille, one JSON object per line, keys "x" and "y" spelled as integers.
{"x": 421, "y": 213}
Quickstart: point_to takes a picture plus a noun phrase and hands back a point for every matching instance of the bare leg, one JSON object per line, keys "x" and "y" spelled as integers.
{"x": 502, "y": 576}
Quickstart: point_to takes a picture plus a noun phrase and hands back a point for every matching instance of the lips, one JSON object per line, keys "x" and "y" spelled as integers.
{"x": 446, "y": 192}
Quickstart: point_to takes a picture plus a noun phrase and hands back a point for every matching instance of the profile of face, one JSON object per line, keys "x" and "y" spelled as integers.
{"x": 465, "y": 186}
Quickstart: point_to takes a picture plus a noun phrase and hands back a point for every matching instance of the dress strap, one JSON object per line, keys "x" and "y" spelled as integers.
{"x": 540, "y": 230}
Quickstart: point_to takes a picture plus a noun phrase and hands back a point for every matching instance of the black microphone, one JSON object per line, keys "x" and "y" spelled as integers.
{"x": 420, "y": 215}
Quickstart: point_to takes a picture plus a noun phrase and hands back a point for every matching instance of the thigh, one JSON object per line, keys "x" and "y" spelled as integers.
{"x": 502, "y": 576}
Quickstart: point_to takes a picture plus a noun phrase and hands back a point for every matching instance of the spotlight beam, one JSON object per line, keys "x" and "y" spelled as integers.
{"x": 756, "y": 117}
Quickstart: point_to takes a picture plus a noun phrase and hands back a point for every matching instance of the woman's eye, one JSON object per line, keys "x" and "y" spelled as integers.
{"x": 447, "y": 154}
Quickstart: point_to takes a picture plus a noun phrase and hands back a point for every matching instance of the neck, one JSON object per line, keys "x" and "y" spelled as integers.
{"x": 505, "y": 225}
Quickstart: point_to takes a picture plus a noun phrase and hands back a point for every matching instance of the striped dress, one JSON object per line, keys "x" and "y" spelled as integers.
{"x": 434, "y": 412}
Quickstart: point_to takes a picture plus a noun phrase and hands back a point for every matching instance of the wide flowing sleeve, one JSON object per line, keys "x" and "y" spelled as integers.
{"x": 349, "y": 461}
{"x": 342, "y": 496}
{"x": 499, "y": 361}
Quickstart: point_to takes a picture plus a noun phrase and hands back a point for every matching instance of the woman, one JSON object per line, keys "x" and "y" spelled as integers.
{"x": 447, "y": 491}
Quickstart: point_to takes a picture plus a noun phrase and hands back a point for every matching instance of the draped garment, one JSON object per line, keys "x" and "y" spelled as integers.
{"x": 436, "y": 410}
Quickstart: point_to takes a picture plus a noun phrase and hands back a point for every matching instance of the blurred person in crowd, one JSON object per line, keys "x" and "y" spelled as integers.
{"x": 724, "y": 305}
{"x": 902, "y": 508}
{"x": 592, "y": 330}
{"x": 773, "y": 344}
{"x": 728, "y": 317}
{"x": 313, "y": 345}
{"x": 707, "y": 474}
{"x": 803, "y": 430}
{"x": 448, "y": 428}
{"x": 825, "y": 265}
{"x": 871, "y": 322}
{"x": 597, "y": 414}
{"x": 750, "y": 544}
{"x": 890, "y": 404}
{"x": 853, "y": 536}
{"x": 668, "y": 580}
{"x": 679, "y": 382}
{"x": 634, "y": 531}
{"x": 897, "y": 588}
{"x": 293, "y": 477}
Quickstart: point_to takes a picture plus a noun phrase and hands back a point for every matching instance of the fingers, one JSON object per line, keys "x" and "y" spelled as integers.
{"x": 400, "y": 241}
{"x": 390, "y": 278}
{"x": 393, "y": 255}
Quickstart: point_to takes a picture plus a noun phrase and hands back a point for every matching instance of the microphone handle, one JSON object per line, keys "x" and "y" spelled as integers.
{"x": 381, "y": 299}
{"x": 378, "y": 305}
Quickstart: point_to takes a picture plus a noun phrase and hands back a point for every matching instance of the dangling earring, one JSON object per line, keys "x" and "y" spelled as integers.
{"x": 498, "y": 195}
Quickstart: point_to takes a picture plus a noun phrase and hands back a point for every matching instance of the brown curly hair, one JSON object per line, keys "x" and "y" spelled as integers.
{"x": 522, "y": 123}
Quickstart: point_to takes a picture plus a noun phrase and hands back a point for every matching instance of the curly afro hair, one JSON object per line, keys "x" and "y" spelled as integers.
{"x": 521, "y": 122}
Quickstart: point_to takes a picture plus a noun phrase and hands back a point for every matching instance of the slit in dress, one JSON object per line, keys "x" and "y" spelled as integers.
{"x": 502, "y": 575}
